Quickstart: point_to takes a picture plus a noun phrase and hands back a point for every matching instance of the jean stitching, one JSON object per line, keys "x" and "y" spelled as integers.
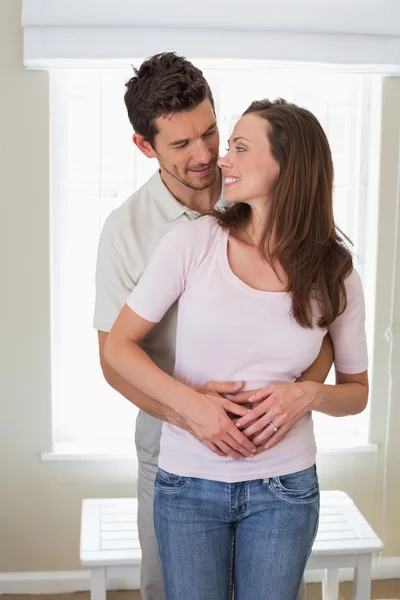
{"x": 162, "y": 486}
{"x": 302, "y": 491}
{"x": 314, "y": 533}
{"x": 231, "y": 567}
{"x": 315, "y": 530}
{"x": 296, "y": 500}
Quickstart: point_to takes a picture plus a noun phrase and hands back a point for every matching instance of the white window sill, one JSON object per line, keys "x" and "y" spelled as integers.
{"x": 71, "y": 451}
{"x": 333, "y": 445}
{"x": 78, "y": 452}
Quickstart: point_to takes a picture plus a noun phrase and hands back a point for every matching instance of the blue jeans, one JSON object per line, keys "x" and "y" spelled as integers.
{"x": 254, "y": 536}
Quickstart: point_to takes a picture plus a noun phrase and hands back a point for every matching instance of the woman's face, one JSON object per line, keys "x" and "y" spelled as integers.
{"x": 249, "y": 169}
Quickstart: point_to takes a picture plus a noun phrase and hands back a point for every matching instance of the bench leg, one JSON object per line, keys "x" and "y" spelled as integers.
{"x": 362, "y": 578}
{"x": 98, "y": 583}
{"x": 330, "y": 585}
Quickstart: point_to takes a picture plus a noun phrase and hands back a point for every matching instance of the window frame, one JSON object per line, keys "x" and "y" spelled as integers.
{"x": 358, "y": 441}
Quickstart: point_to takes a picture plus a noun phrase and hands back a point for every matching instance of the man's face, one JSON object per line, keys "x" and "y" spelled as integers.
{"x": 187, "y": 146}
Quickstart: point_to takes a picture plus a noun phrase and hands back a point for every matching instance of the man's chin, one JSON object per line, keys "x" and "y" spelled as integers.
{"x": 200, "y": 183}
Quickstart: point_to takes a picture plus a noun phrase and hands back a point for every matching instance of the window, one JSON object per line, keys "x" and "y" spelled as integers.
{"x": 95, "y": 167}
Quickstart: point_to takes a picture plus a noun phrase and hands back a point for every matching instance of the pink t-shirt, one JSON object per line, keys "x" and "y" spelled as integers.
{"x": 228, "y": 331}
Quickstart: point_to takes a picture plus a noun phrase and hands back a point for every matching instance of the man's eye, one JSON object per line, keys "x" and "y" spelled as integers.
{"x": 181, "y": 146}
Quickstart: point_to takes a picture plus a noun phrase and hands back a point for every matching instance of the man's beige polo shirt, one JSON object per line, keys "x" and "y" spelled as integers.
{"x": 129, "y": 237}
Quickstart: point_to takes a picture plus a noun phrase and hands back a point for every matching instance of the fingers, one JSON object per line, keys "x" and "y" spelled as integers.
{"x": 266, "y": 435}
{"x": 223, "y": 387}
{"x": 227, "y": 438}
{"x": 214, "y": 448}
{"x": 262, "y": 394}
{"x": 268, "y": 438}
{"x": 227, "y": 450}
{"x": 235, "y": 409}
{"x": 260, "y": 425}
{"x": 222, "y": 448}
{"x": 238, "y": 441}
{"x": 276, "y": 437}
{"x": 252, "y": 395}
{"x": 252, "y": 415}
{"x": 241, "y": 397}
{"x": 235, "y": 419}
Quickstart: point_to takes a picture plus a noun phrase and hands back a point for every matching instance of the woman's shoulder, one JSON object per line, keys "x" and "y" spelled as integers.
{"x": 204, "y": 225}
{"x": 192, "y": 241}
{"x": 353, "y": 282}
{"x": 197, "y": 233}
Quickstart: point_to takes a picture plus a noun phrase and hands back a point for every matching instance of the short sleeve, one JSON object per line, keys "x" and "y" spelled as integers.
{"x": 175, "y": 258}
{"x": 114, "y": 281}
{"x": 348, "y": 330}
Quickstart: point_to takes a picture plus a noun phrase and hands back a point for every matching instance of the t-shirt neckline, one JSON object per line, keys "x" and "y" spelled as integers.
{"x": 234, "y": 279}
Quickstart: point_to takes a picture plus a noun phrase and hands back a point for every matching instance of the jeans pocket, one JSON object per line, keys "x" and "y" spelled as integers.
{"x": 297, "y": 487}
{"x": 169, "y": 482}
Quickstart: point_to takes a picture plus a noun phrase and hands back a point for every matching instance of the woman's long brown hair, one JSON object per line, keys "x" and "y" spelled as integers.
{"x": 299, "y": 232}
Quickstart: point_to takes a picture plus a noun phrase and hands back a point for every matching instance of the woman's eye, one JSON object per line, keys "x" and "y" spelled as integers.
{"x": 240, "y": 148}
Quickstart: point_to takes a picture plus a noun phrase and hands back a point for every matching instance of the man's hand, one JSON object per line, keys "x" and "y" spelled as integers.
{"x": 283, "y": 405}
{"x": 209, "y": 420}
{"x": 228, "y": 394}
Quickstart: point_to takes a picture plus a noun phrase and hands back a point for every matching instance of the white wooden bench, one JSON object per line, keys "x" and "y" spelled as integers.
{"x": 110, "y": 545}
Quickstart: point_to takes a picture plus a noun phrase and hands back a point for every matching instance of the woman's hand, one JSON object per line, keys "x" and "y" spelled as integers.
{"x": 283, "y": 405}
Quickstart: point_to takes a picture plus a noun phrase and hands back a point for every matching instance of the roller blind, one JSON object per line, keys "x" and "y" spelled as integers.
{"x": 340, "y": 32}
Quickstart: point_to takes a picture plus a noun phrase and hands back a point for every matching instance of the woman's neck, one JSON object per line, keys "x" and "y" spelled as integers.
{"x": 252, "y": 231}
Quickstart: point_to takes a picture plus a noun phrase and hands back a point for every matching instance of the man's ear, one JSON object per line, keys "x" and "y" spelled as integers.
{"x": 144, "y": 146}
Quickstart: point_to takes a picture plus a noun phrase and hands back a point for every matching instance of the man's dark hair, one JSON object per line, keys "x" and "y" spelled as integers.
{"x": 164, "y": 84}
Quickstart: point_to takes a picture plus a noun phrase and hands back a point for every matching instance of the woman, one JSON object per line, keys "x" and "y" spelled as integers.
{"x": 258, "y": 286}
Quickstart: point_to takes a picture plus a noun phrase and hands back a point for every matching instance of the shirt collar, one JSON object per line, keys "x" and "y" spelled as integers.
{"x": 169, "y": 207}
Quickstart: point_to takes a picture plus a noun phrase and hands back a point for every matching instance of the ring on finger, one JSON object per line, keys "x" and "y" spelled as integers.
{"x": 273, "y": 427}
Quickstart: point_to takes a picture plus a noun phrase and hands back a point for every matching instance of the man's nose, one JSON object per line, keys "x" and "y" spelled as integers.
{"x": 202, "y": 153}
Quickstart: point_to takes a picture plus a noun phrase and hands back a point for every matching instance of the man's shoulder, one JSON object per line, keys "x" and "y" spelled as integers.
{"x": 137, "y": 205}
{"x": 137, "y": 221}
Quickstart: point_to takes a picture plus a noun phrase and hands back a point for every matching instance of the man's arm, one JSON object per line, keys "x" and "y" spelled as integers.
{"x": 155, "y": 408}
{"x": 123, "y": 351}
{"x": 114, "y": 282}
{"x": 145, "y": 403}
{"x": 319, "y": 370}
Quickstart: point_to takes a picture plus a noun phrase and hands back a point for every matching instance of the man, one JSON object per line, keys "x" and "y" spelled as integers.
{"x": 171, "y": 109}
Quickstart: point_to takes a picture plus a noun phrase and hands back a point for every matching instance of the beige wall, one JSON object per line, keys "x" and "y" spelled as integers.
{"x": 40, "y": 501}
{"x": 389, "y": 486}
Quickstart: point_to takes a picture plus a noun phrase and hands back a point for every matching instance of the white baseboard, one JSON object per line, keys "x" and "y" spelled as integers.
{"x": 60, "y": 582}
{"x": 63, "y": 582}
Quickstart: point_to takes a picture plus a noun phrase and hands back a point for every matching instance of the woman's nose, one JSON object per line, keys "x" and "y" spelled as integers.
{"x": 224, "y": 162}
